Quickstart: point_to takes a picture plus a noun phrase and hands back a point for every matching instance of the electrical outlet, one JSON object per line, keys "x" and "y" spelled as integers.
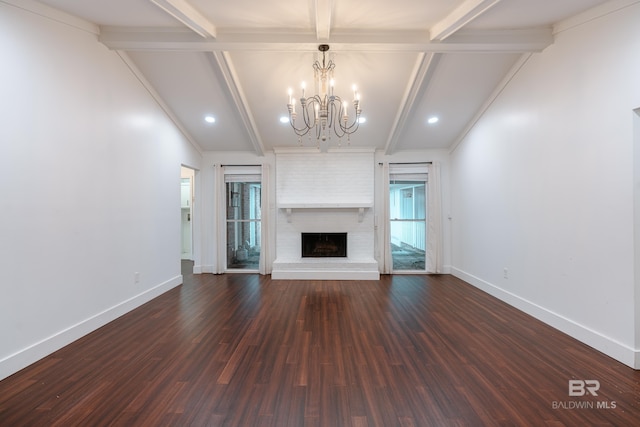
{"x": 136, "y": 277}
{"x": 505, "y": 273}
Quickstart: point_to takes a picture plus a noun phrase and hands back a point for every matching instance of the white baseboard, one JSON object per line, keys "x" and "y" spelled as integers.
{"x": 37, "y": 351}
{"x": 602, "y": 343}
{"x": 201, "y": 269}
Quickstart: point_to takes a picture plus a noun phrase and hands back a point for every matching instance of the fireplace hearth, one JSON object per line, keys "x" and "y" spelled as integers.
{"x": 324, "y": 245}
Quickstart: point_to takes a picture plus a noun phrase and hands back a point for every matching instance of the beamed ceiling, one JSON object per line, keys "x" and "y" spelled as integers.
{"x": 411, "y": 60}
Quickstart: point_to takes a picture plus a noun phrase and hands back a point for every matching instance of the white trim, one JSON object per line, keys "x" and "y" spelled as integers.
{"x": 593, "y": 13}
{"x": 602, "y": 343}
{"x": 420, "y": 80}
{"x": 25, "y": 357}
{"x": 202, "y": 269}
{"x": 490, "y": 100}
{"x": 126, "y": 59}
{"x": 323, "y": 11}
{"x": 49, "y": 12}
{"x": 277, "y": 40}
{"x": 468, "y": 11}
{"x": 188, "y": 15}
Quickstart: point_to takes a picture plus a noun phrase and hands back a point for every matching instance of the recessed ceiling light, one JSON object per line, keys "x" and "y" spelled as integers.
{"x": 284, "y": 119}
{"x": 433, "y": 120}
{"x": 362, "y": 119}
{"x": 210, "y": 119}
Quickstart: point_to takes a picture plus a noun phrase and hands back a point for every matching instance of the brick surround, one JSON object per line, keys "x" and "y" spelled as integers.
{"x": 325, "y": 192}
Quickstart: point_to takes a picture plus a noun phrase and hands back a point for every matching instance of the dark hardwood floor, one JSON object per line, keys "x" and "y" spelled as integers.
{"x": 245, "y": 350}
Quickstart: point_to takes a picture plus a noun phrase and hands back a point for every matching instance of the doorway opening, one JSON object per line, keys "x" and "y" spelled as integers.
{"x": 187, "y": 176}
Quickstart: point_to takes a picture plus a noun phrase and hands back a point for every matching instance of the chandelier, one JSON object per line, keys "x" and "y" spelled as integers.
{"x": 324, "y": 113}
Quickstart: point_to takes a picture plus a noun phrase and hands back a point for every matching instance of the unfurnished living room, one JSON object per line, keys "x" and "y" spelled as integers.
{"x": 320, "y": 213}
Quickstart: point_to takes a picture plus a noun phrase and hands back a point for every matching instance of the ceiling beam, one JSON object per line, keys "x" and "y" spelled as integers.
{"x": 188, "y": 15}
{"x": 461, "y": 16}
{"x": 420, "y": 78}
{"x": 224, "y": 68}
{"x": 157, "y": 39}
{"x": 324, "y": 14}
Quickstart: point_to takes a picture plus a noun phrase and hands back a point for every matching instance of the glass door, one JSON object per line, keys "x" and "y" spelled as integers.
{"x": 407, "y": 216}
{"x": 243, "y": 201}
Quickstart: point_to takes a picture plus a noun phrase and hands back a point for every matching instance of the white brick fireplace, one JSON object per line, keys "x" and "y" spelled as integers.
{"x": 330, "y": 192}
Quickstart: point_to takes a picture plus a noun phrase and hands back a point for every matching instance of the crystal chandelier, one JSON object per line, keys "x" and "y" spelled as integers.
{"x": 324, "y": 112}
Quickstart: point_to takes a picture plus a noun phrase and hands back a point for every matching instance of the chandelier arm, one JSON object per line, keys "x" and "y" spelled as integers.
{"x": 298, "y": 131}
{"x": 331, "y": 108}
{"x": 341, "y": 125}
{"x": 305, "y": 113}
{"x": 351, "y": 128}
{"x": 336, "y": 116}
{"x": 311, "y": 111}
{"x": 308, "y": 123}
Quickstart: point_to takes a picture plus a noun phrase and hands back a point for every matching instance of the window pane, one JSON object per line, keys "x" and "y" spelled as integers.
{"x": 407, "y": 200}
{"x": 408, "y": 245}
{"x": 243, "y": 244}
{"x": 243, "y": 200}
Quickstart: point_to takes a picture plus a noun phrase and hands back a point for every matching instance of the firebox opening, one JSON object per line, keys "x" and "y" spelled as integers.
{"x": 321, "y": 245}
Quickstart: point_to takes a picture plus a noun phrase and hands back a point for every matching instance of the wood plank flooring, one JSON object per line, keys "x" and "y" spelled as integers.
{"x": 245, "y": 350}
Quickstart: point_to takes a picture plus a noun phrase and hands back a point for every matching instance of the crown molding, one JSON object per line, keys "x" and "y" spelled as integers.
{"x": 53, "y": 14}
{"x": 593, "y": 13}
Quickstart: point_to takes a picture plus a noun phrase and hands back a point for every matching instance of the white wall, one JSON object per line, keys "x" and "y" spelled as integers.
{"x": 543, "y": 186}
{"x": 90, "y": 184}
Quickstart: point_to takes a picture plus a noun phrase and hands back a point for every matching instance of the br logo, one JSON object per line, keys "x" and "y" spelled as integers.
{"x": 582, "y": 387}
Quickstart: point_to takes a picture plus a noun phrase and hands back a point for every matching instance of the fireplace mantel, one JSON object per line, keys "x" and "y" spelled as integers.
{"x": 290, "y": 207}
